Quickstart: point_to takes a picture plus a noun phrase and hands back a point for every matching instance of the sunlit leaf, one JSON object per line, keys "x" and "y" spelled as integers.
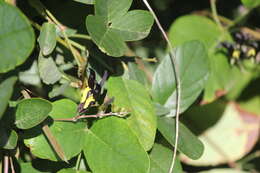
{"x": 111, "y": 143}
{"x": 192, "y": 27}
{"x": 112, "y": 25}
{"x": 70, "y": 170}
{"x": 27, "y": 167}
{"x": 251, "y": 3}
{"x": 69, "y": 135}
{"x": 133, "y": 96}
{"x": 193, "y": 68}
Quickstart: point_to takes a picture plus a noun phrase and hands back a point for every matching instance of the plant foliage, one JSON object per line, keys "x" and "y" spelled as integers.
{"x": 88, "y": 86}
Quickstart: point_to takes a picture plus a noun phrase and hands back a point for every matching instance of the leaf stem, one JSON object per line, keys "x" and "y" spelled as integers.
{"x": 215, "y": 14}
{"x": 49, "y": 14}
{"x": 178, "y": 83}
{"x": 77, "y": 45}
{"x": 83, "y": 36}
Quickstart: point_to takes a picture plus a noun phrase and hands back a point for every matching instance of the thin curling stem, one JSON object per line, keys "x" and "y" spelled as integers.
{"x": 178, "y": 83}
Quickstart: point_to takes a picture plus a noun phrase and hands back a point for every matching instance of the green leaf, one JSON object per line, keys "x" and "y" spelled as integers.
{"x": 192, "y": 27}
{"x": 31, "y": 76}
{"x": 85, "y": 1}
{"x": 31, "y": 112}
{"x": 27, "y": 167}
{"x": 107, "y": 39}
{"x": 112, "y": 9}
{"x": 161, "y": 110}
{"x": 8, "y": 138}
{"x": 69, "y": 135}
{"x": 161, "y": 158}
{"x": 188, "y": 143}
{"x": 47, "y": 38}
{"x": 251, "y": 105}
{"x": 133, "y": 96}
{"x": 137, "y": 26}
{"x": 70, "y": 170}
{"x": 251, "y": 3}
{"x": 48, "y": 70}
{"x": 112, "y": 147}
{"x": 6, "y": 90}
{"x": 193, "y": 67}
{"x": 109, "y": 29}
{"x": 134, "y": 73}
{"x": 16, "y": 37}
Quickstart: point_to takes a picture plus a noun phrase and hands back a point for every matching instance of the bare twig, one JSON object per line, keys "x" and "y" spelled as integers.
{"x": 12, "y": 165}
{"x": 178, "y": 84}
{"x": 6, "y": 164}
{"x": 54, "y": 143}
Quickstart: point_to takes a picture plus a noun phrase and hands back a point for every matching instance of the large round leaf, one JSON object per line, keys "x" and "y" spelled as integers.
{"x": 16, "y": 37}
{"x": 31, "y": 112}
{"x": 112, "y": 25}
{"x": 6, "y": 90}
{"x": 112, "y": 147}
{"x": 133, "y": 96}
{"x": 233, "y": 135}
{"x": 192, "y": 27}
{"x": 68, "y": 134}
{"x": 193, "y": 68}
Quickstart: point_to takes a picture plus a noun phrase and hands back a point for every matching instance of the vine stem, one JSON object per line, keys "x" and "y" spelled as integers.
{"x": 215, "y": 14}
{"x": 178, "y": 84}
